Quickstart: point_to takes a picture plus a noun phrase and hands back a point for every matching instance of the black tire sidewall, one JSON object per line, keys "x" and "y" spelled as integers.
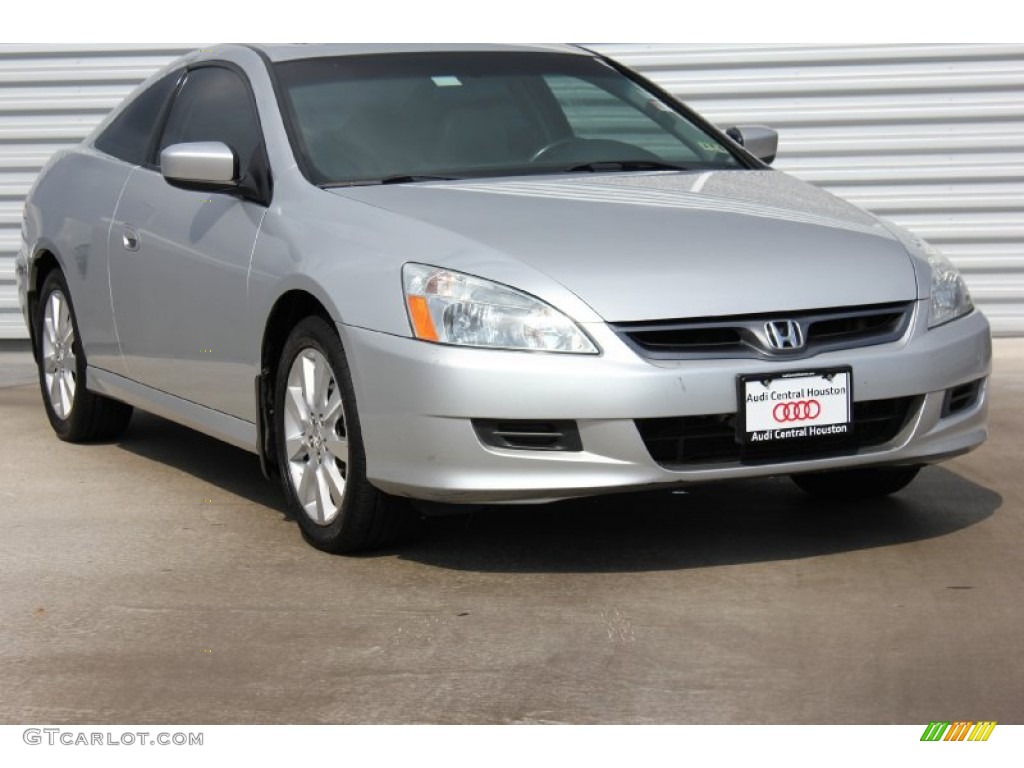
{"x": 65, "y": 428}
{"x": 316, "y": 333}
{"x": 858, "y": 484}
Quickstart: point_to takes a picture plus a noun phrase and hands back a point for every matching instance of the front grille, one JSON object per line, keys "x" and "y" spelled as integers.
{"x": 747, "y": 336}
{"x": 521, "y": 435}
{"x": 692, "y": 440}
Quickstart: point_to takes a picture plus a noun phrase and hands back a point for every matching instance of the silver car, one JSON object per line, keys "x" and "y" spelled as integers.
{"x": 482, "y": 274}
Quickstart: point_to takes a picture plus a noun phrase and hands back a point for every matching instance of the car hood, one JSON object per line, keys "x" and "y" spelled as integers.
{"x": 663, "y": 245}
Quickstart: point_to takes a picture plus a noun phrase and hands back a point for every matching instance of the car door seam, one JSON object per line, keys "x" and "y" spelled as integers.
{"x": 252, "y": 254}
{"x": 110, "y": 285}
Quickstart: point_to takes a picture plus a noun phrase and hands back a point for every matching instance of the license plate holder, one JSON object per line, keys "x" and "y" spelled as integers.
{"x": 797, "y": 408}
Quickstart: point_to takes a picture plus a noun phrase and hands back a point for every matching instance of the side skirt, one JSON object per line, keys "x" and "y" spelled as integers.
{"x": 239, "y": 433}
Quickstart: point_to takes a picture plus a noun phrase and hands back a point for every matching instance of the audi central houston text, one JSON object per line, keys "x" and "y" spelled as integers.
{"x": 478, "y": 274}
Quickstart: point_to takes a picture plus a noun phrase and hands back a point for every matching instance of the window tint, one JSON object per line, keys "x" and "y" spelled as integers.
{"x": 128, "y": 136}
{"x": 362, "y": 119}
{"x": 632, "y": 116}
{"x": 355, "y": 129}
{"x": 214, "y": 105}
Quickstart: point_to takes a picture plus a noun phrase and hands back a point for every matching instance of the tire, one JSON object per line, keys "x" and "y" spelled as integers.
{"x": 76, "y": 414}
{"x": 854, "y": 484}
{"x": 319, "y": 448}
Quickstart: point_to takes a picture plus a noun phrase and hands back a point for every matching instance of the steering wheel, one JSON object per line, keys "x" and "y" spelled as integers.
{"x": 552, "y": 147}
{"x": 577, "y": 150}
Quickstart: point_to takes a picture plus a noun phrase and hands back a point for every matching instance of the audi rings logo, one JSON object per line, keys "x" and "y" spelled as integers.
{"x": 797, "y": 410}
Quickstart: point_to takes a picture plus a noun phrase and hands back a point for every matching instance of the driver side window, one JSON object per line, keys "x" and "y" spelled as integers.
{"x": 214, "y": 105}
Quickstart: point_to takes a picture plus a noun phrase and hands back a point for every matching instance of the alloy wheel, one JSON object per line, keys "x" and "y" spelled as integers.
{"x": 59, "y": 363}
{"x": 315, "y": 436}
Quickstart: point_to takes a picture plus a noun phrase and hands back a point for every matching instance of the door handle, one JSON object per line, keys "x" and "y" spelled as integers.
{"x": 130, "y": 239}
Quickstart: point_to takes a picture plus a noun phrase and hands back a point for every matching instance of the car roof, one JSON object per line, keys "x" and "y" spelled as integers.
{"x": 294, "y": 51}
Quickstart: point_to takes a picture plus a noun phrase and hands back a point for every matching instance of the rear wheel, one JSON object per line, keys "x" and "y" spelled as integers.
{"x": 76, "y": 414}
{"x": 320, "y": 450}
{"x": 866, "y": 483}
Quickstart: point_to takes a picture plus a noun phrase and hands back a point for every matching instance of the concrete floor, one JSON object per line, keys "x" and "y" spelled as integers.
{"x": 156, "y": 580}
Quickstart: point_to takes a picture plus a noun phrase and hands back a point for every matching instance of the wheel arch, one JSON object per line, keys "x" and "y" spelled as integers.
{"x": 289, "y": 309}
{"x": 43, "y": 262}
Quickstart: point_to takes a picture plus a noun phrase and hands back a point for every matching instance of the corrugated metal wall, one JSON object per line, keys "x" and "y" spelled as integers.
{"x": 52, "y": 96}
{"x": 931, "y": 136}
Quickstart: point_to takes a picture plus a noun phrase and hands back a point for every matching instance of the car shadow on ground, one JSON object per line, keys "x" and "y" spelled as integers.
{"x": 718, "y": 524}
{"x": 721, "y": 524}
{"x": 231, "y": 469}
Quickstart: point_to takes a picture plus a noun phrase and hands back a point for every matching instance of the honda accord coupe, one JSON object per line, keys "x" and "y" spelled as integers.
{"x": 480, "y": 274}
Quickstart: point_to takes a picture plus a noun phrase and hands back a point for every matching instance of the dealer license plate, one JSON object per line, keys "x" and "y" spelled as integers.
{"x": 805, "y": 405}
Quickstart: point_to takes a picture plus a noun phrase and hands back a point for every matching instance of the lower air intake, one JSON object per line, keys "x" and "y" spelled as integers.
{"x": 686, "y": 441}
{"x": 529, "y": 435}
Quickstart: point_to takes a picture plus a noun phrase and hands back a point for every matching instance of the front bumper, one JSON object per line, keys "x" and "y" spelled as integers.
{"x": 417, "y": 400}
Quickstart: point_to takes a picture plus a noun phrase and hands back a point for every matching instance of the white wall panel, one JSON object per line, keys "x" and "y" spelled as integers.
{"x": 52, "y": 96}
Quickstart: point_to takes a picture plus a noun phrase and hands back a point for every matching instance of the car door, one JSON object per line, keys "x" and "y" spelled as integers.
{"x": 179, "y": 258}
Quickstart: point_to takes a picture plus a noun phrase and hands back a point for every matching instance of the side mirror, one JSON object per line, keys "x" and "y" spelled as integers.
{"x": 759, "y": 140}
{"x": 202, "y": 165}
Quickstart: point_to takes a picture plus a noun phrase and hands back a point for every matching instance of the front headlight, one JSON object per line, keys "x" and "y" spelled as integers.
{"x": 452, "y": 308}
{"x": 950, "y": 297}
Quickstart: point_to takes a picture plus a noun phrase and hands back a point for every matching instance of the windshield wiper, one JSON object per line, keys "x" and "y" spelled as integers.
{"x": 592, "y": 167}
{"x": 404, "y": 178}
{"x": 399, "y": 178}
{"x": 627, "y": 165}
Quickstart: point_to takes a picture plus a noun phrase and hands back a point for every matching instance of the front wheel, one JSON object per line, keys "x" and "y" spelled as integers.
{"x": 853, "y": 484}
{"x": 320, "y": 449}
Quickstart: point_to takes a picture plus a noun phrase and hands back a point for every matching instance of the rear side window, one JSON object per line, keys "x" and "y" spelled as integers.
{"x": 128, "y": 136}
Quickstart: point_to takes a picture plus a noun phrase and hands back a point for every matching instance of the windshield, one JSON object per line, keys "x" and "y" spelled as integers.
{"x": 395, "y": 118}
